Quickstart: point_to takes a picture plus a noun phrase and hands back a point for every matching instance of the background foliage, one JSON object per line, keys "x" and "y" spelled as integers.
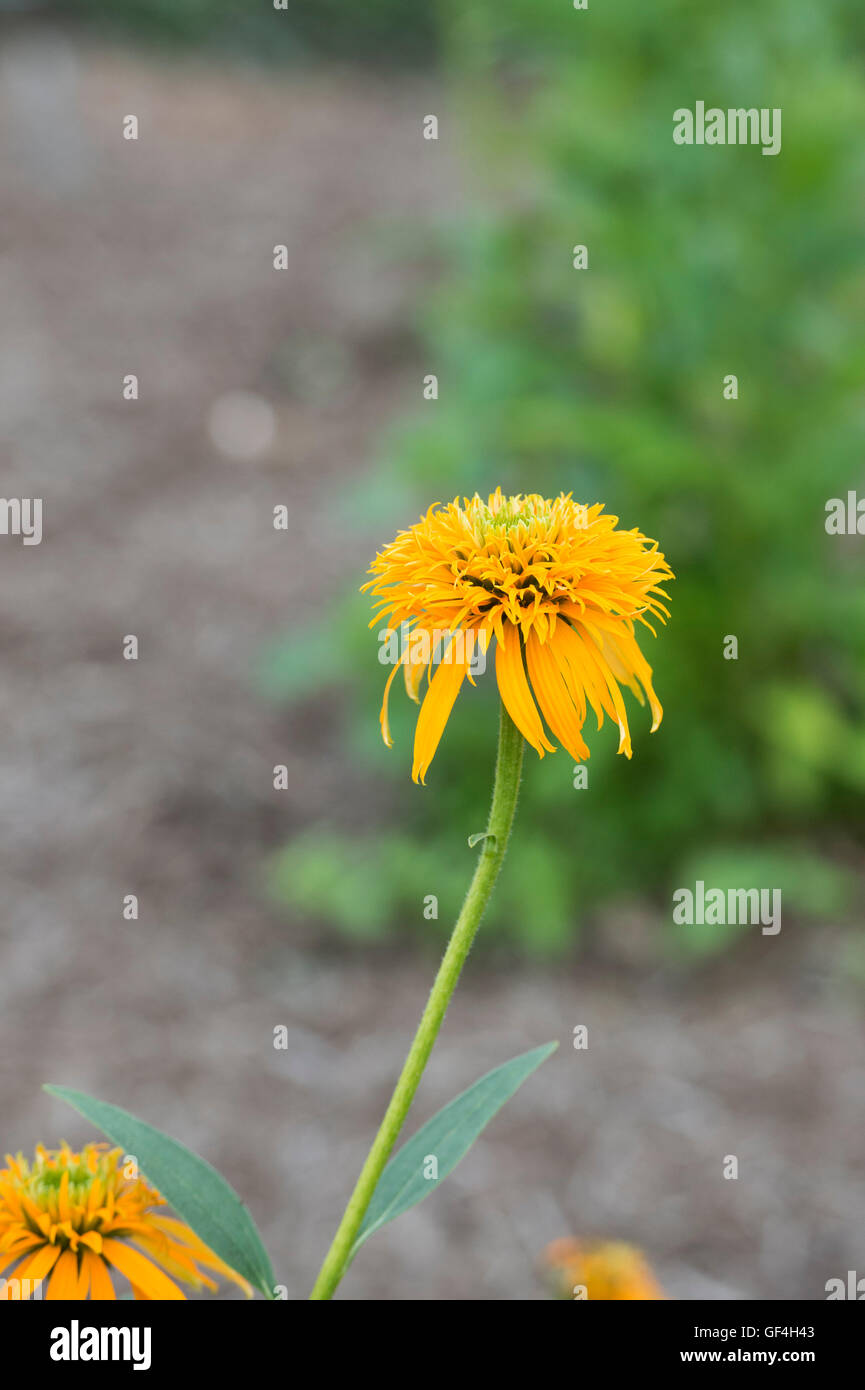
{"x": 378, "y": 30}
{"x": 608, "y": 383}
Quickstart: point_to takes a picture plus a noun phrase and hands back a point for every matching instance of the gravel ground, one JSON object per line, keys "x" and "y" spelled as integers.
{"x": 154, "y": 777}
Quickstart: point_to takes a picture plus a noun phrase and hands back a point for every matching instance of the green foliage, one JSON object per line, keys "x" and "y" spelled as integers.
{"x": 447, "y": 1137}
{"x": 379, "y": 885}
{"x": 607, "y": 382}
{"x": 374, "y": 885}
{"x": 195, "y": 1190}
{"x": 379, "y": 31}
{"x": 810, "y": 888}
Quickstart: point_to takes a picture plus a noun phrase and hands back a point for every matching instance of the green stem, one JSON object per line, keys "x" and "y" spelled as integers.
{"x": 504, "y": 803}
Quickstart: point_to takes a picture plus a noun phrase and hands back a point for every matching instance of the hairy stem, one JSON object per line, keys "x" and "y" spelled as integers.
{"x": 505, "y": 791}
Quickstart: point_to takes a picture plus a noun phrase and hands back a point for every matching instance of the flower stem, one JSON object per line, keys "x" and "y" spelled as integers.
{"x": 505, "y": 790}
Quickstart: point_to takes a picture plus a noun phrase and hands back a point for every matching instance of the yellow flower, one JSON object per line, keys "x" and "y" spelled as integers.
{"x": 72, "y": 1216}
{"x": 557, "y": 584}
{"x": 605, "y": 1270}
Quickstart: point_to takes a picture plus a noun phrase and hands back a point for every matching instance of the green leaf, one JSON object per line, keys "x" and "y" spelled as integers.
{"x": 481, "y": 835}
{"x": 199, "y": 1195}
{"x": 448, "y": 1135}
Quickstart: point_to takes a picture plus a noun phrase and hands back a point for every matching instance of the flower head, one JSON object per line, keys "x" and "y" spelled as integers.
{"x": 76, "y": 1219}
{"x": 603, "y": 1270}
{"x": 558, "y": 586}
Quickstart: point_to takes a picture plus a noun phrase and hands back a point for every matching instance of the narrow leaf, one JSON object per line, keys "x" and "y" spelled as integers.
{"x": 448, "y": 1136}
{"x": 196, "y": 1191}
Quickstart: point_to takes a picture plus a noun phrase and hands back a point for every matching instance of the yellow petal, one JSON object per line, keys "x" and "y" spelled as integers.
{"x": 101, "y": 1288}
{"x": 552, "y": 694}
{"x": 515, "y": 692}
{"x": 64, "y": 1281}
{"x": 40, "y": 1264}
{"x": 141, "y": 1272}
{"x": 434, "y": 713}
{"x": 383, "y": 719}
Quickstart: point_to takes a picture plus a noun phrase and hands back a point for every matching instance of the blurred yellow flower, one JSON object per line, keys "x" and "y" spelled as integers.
{"x": 67, "y": 1219}
{"x": 557, "y": 584}
{"x": 599, "y": 1270}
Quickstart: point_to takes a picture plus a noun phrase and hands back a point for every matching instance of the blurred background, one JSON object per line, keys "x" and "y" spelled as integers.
{"x": 303, "y": 388}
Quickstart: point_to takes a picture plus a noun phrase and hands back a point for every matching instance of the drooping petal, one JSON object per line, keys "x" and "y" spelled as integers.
{"x": 553, "y": 697}
{"x": 584, "y": 672}
{"x": 515, "y": 692}
{"x": 64, "y": 1280}
{"x": 101, "y": 1287}
{"x": 413, "y": 675}
{"x": 141, "y": 1272}
{"x": 596, "y": 658}
{"x": 171, "y": 1258}
{"x": 435, "y": 711}
{"x": 203, "y": 1254}
{"x": 631, "y": 659}
{"x": 38, "y": 1265}
{"x": 7, "y": 1259}
{"x": 383, "y": 719}
{"x": 83, "y": 1285}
